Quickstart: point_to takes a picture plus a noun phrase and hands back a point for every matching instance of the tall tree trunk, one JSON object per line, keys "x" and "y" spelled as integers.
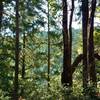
{"x": 48, "y": 47}
{"x": 85, "y": 42}
{"x": 70, "y": 33}
{"x": 1, "y": 12}
{"x": 70, "y": 26}
{"x": 15, "y": 96}
{"x": 67, "y": 72}
{"x": 23, "y": 65}
{"x": 91, "y": 44}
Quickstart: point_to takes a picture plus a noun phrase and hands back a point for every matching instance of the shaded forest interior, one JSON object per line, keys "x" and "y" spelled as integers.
{"x": 49, "y": 49}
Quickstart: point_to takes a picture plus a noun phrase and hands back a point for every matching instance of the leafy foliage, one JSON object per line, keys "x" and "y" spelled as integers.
{"x": 33, "y": 23}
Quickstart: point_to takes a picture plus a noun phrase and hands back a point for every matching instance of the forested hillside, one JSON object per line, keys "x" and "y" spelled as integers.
{"x": 49, "y": 49}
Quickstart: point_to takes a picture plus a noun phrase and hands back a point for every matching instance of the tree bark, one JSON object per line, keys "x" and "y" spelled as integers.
{"x": 85, "y": 42}
{"x": 78, "y": 59}
{"x": 1, "y": 13}
{"x": 66, "y": 78}
{"x": 91, "y": 45}
{"x": 97, "y": 56}
{"x": 70, "y": 26}
{"x": 48, "y": 48}
{"x": 70, "y": 31}
{"x": 15, "y": 94}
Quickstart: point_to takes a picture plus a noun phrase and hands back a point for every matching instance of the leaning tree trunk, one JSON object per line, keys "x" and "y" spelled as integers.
{"x": 91, "y": 44}
{"x": 15, "y": 95}
{"x": 66, "y": 78}
{"x": 85, "y": 42}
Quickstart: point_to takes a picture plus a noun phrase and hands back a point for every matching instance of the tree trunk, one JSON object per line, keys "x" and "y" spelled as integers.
{"x": 85, "y": 42}
{"x": 48, "y": 47}
{"x": 70, "y": 32}
{"x": 91, "y": 45}
{"x": 1, "y": 12}
{"x": 23, "y": 66}
{"x": 66, "y": 78}
{"x": 15, "y": 96}
{"x": 70, "y": 26}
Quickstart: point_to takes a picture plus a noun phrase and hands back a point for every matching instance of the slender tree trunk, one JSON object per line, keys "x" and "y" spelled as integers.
{"x": 70, "y": 26}
{"x": 70, "y": 34}
{"x": 91, "y": 45}
{"x": 23, "y": 66}
{"x": 48, "y": 47}
{"x": 15, "y": 96}
{"x": 85, "y": 42}
{"x": 1, "y": 12}
{"x": 67, "y": 72}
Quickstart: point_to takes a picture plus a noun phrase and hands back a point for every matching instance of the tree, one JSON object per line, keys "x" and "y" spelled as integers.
{"x": 85, "y": 16}
{"x": 1, "y": 12}
{"x": 66, "y": 53}
{"x": 33, "y": 49}
{"x": 91, "y": 44}
{"x": 16, "y": 86}
{"x": 48, "y": 47}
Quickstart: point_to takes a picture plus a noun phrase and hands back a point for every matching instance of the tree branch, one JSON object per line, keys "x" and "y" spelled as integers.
{"x": 97, "y": 56}
{"x": 76, "y": 62}
{"x": 79, "y": 59}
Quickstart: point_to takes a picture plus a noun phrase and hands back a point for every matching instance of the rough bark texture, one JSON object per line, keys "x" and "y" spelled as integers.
{"x": 67, "y": 71}
{"x": 85, "y": 41}
{"x": 15, "y": 94}
{"x": 91, "y": 44}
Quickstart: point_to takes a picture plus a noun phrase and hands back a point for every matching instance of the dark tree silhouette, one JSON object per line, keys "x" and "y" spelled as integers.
{"x": 70, "y": 25}
{"x": 1, "y": 12}
{"x": 15, "y": 94}
{"x": 85, "y": 16}
{"x": 48, "y": 47}
{"x": 91, "y": 44}
{"x": 67, "y": 40}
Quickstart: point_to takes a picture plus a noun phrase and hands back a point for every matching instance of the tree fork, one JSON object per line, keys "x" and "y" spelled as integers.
{"x": 66, "y": 77}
